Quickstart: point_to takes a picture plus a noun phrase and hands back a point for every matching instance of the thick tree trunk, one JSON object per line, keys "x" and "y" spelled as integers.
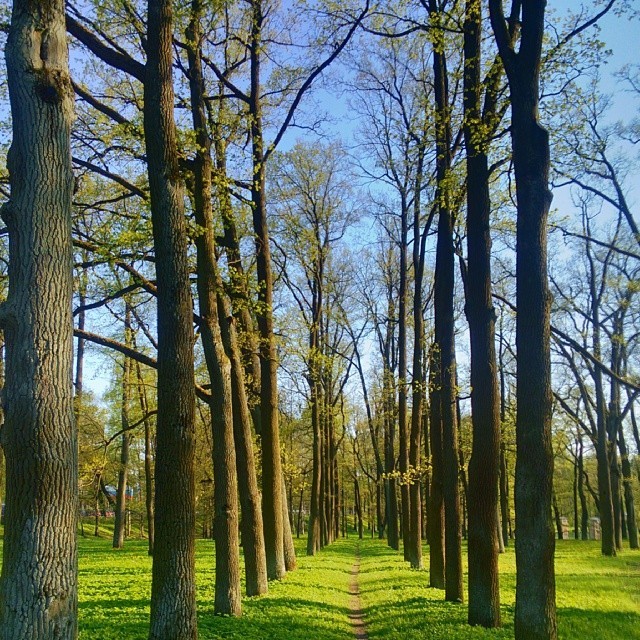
{"x": 173, "y": 607}
{"x": 444, "y": 291}
{"x": 435, "y": 520}
{"x": 270, "y": 436}
{"x": 413, "y": 541}
{"x": 535, "y": 616}
{"x": 39, "y": 433}
{"x": 250, "y": 500}
{"x": 403, "y": 436}
{"x": 225, "y": 522}
{"x": 484, "y": 465}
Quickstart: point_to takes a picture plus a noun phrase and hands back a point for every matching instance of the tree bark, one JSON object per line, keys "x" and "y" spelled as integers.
{"x": 39, "y": 434}
{"x": 148, "y": 460}
{"x": 173, "y": 606}
{"x": 123, "y": 471}
{"x": 270, "y": 436}
{"x": 535, "y": 616}
{"x": 413, "y": 539}
{"x": 627, "y": 479}
{"x": 584, "y": 511}
{"x": 403, "y": 436}
{"x": 484, "y": 465}
{"x": 444, "y": 291}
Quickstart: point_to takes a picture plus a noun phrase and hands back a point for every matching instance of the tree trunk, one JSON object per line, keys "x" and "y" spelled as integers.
{"x": 535, "y": 615}
{"x": 556, "y": 515}
{"x": 313, "y": 537}
{"x": 148, "y": 460}
{"x": 252, "y": 525}
{"x": 121, "y": 491}
{"x": 414, "y": 540}
{"x": 403, "y": 436}
{"x": 584, "y": 511}
{"x": 444, "y": 291}
{"x": 576, "y": 530}
{"x": 289, "y": 549}
{"x": 270, "y": 436}
{"x": 632, "y": 527}
{"x": 484, "y": 465}
{"x": 504, "y": 496}
{"x": 225, "y": 525}
{"x": 39, "y": 434}
{"x": 173, "y": 606}
{"x": 435, "y": 520}
{"x": 391, "y": 498}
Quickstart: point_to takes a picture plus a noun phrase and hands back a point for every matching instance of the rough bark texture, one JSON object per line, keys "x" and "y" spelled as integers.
{"x": 148, "y": 460}
{"x": 173, "y": 607}
{"x": 435, "y": 519}
{"x": 225, "y": 521}
{"x": 255, "y": 560}
{"x": 444, "y": 291}
{"x": 414, "y": 538}
{"x": 484, "y": 591}
{"x": 535, "y": 616}
{"x": 38, "y": 586}
{"x": 270, "y": 435}
{"x": 403, "y": 435}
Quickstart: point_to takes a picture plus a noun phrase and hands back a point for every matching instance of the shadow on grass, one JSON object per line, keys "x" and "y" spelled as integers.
{"x": 603, "y": 625}
{"x": 275, "y": 618}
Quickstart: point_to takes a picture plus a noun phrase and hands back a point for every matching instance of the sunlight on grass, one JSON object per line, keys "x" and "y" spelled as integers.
{"x": 598, "y": 598}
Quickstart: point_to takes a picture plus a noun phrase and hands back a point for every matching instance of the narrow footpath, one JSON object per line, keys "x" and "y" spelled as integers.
{"x": 356, "y": 614}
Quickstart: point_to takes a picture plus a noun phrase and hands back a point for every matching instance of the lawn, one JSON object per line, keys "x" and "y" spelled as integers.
{"x": 598, "y": 598}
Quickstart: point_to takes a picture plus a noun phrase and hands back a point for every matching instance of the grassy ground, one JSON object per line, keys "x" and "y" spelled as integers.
{"x": 598, "y": 598}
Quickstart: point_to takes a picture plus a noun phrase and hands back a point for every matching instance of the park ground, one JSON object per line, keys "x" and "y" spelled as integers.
{"x": 598, "y": 598}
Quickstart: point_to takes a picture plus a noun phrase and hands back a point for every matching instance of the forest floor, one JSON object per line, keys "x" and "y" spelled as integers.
{"x": 598, "y": 598}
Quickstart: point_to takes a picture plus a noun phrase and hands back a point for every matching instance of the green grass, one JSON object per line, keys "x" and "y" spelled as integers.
{"x": 598, "y": 598}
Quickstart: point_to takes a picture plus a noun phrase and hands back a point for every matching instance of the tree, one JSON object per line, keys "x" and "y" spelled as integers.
{"x": 312, "y": 209}
{"x": 484, "y": 592}
{"x": 444, "y": 353}
{"x": 173, "y": 612}
{"x": 535, "y": 616}
{"x": 39, "y": 433}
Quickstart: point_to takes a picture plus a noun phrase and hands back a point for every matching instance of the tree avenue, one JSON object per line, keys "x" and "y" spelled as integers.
{"x": 326, "y": 316}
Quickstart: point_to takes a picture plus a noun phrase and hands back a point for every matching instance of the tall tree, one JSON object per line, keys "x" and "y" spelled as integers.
{"x": 39, "y": 433}
{"x": 535, "y": 616}
{"x": 444, "y": 292}
{"x": 270, "y": 433}
{"x": 484, "y": 465}
{"x": 173, "y": 608}
{"x": 123, "y": 471}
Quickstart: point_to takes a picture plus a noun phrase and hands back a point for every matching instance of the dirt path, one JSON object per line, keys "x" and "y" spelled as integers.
{"x": 356, "y": 614}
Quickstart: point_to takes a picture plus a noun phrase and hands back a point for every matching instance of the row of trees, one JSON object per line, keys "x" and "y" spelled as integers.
{"x": 183, "y": 192}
